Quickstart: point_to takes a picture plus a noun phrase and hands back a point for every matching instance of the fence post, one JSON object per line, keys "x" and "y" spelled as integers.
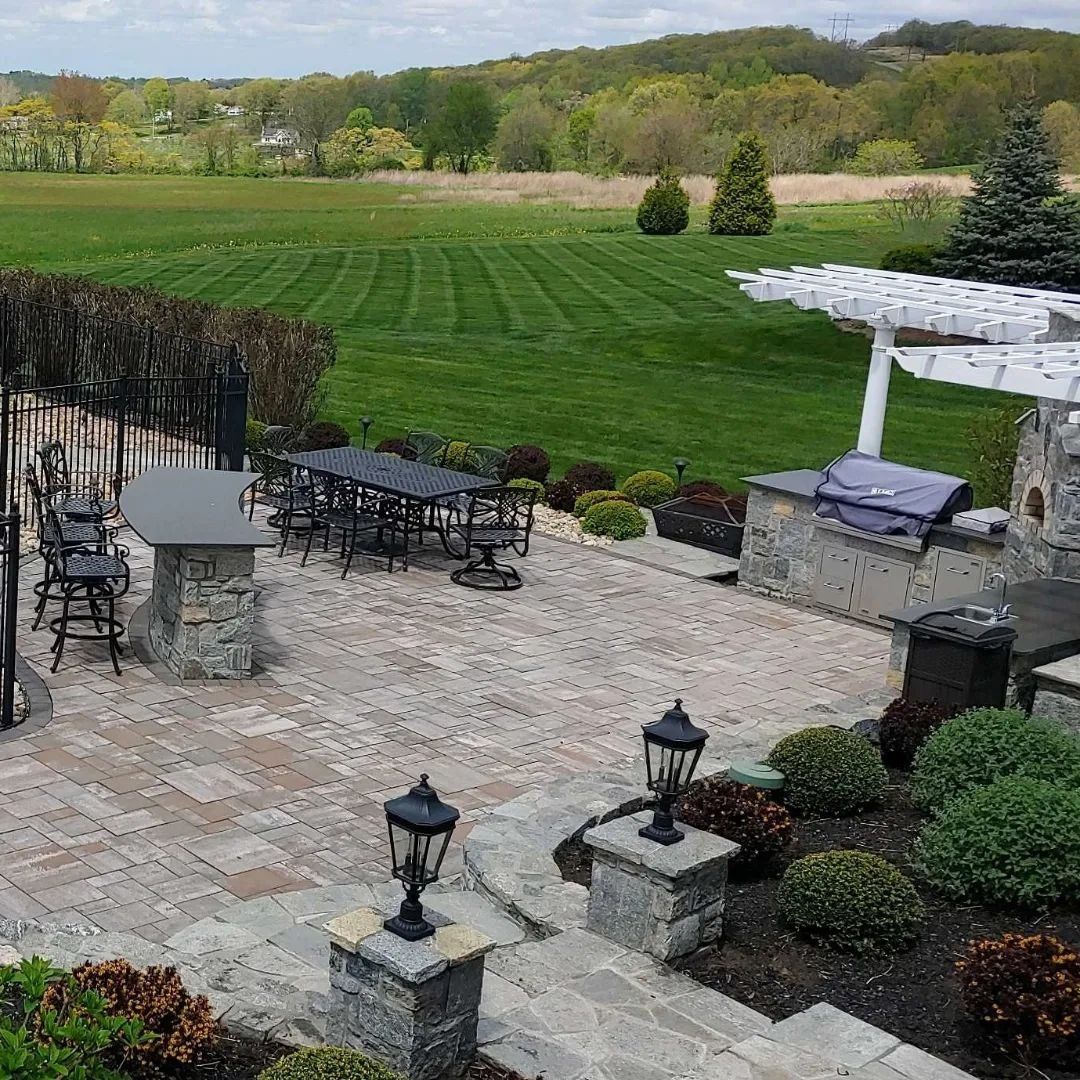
{"x": 121, "y": 434}
{"x": 234, "y": 413}
{"x": 5, "y": 440}
{"x": 10, "y": 620}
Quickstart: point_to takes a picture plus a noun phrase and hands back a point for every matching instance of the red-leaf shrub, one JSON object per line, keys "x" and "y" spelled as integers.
{"x": 590, "y": 476}
{"x": 906, "y": 725}
{"x": 526, "y": 462}
{"x": 703, "y": 487}
{"x": 396, "y": 446}
{"x": 740, "y": 813}
{"x": 1024, "y": 990}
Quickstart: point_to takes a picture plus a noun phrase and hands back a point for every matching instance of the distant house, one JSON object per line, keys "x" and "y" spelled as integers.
{"x": 228, "y": 110}
{"x": 163, "y": 116}
{"x": 278, "y": 137}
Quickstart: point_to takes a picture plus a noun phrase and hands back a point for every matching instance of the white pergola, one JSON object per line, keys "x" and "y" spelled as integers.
{"x": 1014, "y": 321}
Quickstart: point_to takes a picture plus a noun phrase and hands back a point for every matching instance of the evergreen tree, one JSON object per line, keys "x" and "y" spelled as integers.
{"x": 665, "y": 207}
{"x": 743, "y": 204}
{"x": 1018, "y": 227}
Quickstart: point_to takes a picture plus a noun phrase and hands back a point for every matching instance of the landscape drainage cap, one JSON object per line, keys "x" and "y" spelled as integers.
{"x": 756, "y": 774}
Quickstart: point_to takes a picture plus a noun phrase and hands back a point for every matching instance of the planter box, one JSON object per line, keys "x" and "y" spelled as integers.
{"x": 703, "y": 521}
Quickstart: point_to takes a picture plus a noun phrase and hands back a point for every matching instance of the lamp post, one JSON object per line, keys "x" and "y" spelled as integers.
{"x": 672, "y": 749}
{"x": 365, "y": 423}
{"x": 680, "y": 464}
{"x": 420, "y": 827}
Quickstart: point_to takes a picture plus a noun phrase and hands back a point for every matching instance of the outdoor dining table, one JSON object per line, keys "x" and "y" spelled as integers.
{"x": 412, "y": 481}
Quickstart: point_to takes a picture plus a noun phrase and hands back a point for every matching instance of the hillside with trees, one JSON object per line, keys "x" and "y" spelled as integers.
{"x": 679, "y": 102}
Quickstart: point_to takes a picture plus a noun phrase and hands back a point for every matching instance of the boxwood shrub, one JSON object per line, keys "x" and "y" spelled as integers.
{"x": 591, "y": 498}
{"x": 619, "y": 520}
{"x": 828, "y": 771}
{"x": 528, "y": 485}
{"x": 985, "y": 745}
{"x": 1014, "y": 843}
{"x": 852, "y": 901}
{"x": 649, "y": 487}
{"x": 328, "y": 1063}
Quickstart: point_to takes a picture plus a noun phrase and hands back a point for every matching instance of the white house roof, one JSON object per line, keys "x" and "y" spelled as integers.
{"x": 890, "y": 300}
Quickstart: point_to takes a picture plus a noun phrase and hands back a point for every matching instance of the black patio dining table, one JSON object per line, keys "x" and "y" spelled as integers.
{"x": 412, "y": 481}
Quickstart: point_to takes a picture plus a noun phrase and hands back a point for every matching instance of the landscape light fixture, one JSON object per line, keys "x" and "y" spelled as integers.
{"x": 365, "y": 423}
{"x": 680, "y": 464}
{"x": 672, "y": 750}
{"x": 420, "y": 825}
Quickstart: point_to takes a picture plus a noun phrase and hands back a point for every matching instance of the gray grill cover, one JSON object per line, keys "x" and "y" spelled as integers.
{"x": 877, "y": 496}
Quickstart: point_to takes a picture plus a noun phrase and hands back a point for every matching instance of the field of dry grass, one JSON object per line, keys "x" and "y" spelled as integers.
{"x": 624, "y": 192}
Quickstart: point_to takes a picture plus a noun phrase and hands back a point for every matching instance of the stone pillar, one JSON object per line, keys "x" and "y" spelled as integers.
{"x": 412, "y": 1004}
{"x": 665, "y": 901}
{"x": 202, "y": 611}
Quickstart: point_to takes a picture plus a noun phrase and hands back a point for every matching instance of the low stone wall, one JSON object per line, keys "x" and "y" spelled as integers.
{"x": 202, "y": 611}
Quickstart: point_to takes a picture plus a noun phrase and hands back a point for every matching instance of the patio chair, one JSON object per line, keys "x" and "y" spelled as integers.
{"x": 430, "y": 447}
{"x": 496, "y": 519}
{"x": 339, "y": 504}
{"x": 487, "y": 461}
{"x": 279, "y": 439}
{"x": 72, "y": 534}
{"x": 89, "y": 505}
{"x": 96, "y": 576}
{"x": 286, "y": 488}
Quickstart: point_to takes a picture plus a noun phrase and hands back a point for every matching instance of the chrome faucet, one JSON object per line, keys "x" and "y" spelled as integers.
{"x": 1003, "y": 610}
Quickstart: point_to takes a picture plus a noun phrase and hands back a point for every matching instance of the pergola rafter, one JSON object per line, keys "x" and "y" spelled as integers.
{"x": 1014, "y": 321}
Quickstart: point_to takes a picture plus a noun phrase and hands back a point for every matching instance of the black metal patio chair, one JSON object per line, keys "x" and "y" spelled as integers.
{"x": 487, "y": 461}
{"x": 88, "y": 505}
{"x": 287, "y": 489}
{"x": 430, "y": 447}
{"x": 496, "y": 519}
{"x": 278, "y": 439}
{"x": 72, "y": 534}
{"x": 337, "y": 504}
{"x": 94, "y": 577}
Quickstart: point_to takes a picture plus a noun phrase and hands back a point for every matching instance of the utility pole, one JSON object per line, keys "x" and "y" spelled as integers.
{"x": 841, "y": 24}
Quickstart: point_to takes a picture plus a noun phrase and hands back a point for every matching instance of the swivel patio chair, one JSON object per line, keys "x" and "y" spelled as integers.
{"x": 496, "y": 519}
{"x": 430, "y": 447}
{"x": 284, "y": 487}
{"x": 89, "y": 505}
{"x": 93, "y": 576}
{"x": 72, "y": 534}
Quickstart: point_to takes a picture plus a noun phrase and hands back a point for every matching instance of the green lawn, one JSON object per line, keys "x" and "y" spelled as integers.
{"x": 505, "y": 324}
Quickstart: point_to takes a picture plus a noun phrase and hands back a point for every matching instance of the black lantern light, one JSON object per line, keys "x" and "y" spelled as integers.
{"x": 680, "y": 464}
{"x": 365, "y": 423}
{"x": 420, "y": 829}
{"x": 672, "y": 749}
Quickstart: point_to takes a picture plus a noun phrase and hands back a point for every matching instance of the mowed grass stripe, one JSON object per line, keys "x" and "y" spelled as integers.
{"x": 334, "y": 292}
{"x": 543, "y": 314}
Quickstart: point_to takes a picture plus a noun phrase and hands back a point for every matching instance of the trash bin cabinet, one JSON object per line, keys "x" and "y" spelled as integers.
{"x": 957, "y": 661}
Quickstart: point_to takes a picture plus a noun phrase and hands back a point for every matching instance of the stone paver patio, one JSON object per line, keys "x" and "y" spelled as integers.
{"x": 146, "y": 807}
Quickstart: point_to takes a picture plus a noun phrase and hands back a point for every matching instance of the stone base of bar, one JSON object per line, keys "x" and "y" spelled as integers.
{"x": 665, "y": 901}
{"x": 202, "y": 611}
{"x": 412, "y": 1004}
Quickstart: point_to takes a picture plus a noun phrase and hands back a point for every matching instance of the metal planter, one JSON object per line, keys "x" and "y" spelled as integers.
{"x": 704, "y": 521}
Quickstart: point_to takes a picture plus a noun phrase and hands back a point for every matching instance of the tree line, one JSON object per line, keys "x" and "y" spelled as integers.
{"x": 675, "y": 103}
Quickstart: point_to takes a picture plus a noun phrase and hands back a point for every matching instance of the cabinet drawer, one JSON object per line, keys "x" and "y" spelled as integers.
{"x": 957, "y": 574}
{"x": 884, "y": 585}
{"x": 835, "y": 581}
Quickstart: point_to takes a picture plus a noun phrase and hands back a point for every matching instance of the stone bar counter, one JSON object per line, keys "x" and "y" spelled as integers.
{"x": 202, "y": 606}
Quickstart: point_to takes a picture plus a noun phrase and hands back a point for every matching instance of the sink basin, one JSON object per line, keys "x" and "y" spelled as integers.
{"x": 975, "y": 613}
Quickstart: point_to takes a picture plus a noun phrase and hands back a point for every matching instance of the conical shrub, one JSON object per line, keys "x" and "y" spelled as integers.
{"x": 665, "y": 207}
{"x": 743, "y": 204}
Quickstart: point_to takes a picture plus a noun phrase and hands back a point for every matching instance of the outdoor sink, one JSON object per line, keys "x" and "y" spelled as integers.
{"x": 975, "y": 613}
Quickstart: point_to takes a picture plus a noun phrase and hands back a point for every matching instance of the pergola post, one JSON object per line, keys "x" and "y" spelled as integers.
{"x": 876, "y": 398}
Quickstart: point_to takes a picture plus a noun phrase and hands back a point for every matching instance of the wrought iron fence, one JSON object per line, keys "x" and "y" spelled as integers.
{"x": 120, "y": 397}
{"x": 9, "y": 609}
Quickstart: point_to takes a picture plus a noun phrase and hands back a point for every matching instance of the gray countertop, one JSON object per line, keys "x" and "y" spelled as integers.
{"x": 1047, "y": 614}
{"x": 803, "y": 483}
{"x": 191, "y": 508}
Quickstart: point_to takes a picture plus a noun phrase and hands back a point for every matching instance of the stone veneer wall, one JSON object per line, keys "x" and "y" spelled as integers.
{"x": 202, "y": 611}
{"x": 782, "y": 545}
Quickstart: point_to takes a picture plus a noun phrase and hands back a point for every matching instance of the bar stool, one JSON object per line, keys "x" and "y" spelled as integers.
{"x": 96, "y": 577}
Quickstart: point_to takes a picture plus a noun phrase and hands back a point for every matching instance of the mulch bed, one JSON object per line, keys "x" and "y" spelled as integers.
{"x": 912, "y": 994}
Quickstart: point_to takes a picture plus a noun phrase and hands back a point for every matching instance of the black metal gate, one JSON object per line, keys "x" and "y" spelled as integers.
{"x": 9, "y": 611}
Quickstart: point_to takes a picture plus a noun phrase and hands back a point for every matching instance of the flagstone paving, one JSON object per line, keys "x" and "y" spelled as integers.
{"x": 147, "y": 807}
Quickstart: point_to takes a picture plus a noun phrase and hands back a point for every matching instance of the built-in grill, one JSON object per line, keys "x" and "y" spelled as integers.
{"x": 877, "y": 496}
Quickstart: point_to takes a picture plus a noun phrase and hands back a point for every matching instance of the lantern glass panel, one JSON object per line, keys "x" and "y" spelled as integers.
{"x": 409, "y": 852}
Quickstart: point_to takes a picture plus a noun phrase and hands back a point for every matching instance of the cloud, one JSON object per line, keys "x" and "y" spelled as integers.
{"x": 288, "y": 37}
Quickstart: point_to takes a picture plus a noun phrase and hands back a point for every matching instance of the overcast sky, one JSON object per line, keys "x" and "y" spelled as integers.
{"x": 208, "y": 38}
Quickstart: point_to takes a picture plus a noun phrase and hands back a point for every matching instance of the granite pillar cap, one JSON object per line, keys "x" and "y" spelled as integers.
{"x": 361, "y": 932}
{"x": 619, "y": 838}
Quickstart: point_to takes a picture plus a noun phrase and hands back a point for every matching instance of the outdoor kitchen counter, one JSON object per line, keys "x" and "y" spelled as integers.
{"x": 202, "y": 606}
{"x": 791, "y": 554}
